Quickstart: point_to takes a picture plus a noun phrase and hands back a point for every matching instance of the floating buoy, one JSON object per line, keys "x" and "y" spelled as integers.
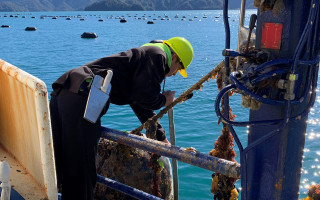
{"x": 68, "y": 18}
{"x": 54, "y": 17}
{"x": 82, "y": 19}
{"x": 89, "y": 35}
{"x": 100, "y": 20}
{"x": 30, "y": 28}
{"x": 123, "y": 20}
{"x": 150, "y": 22}
{"x": 33, "y": 17}
{"x": 5, "y": 26}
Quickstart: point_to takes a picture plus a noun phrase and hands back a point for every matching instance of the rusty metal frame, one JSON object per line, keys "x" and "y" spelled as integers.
{"x": 195, "y": 158}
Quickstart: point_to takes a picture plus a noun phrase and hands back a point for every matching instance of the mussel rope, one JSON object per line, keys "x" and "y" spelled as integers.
{"x": 181, "y": 98}
{"x": 222, "y": 186}
{"x": 151, "y": 124}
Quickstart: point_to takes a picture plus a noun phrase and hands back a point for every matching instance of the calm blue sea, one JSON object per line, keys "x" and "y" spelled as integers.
{"x": 57, "y": 47}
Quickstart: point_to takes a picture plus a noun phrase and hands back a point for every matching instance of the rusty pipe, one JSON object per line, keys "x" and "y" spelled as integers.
{"x": 195, "y": 158}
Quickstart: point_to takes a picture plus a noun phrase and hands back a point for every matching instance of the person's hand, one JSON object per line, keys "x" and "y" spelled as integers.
{"x": 169, "y": 96}
{"x": 165, "y": 141}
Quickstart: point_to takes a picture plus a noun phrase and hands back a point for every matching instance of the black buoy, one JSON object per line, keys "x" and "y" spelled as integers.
{"x": 89, "y": 35}
{"x": 100, "y": 20}
{"x": 82, "y": 19}
{"x": 123, "y": 20}
{"x": 54, "y": 17}
{"x": 5, "y": 26}
{"x": 68, "y": 18}
{"x": 150, "y": 22}
{"x": 30, "y": 28}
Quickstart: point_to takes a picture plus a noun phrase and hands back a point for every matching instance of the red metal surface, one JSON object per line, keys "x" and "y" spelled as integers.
{"x": 271, "y": 36}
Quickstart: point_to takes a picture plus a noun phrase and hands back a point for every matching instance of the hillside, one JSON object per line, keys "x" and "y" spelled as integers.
{"x": 109, "y": 5}
{"x": 94, "y": 5}
{"x": 43, "y": 5}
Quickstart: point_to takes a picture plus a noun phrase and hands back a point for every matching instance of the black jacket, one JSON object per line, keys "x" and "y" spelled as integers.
{"x": 137, "y": 77}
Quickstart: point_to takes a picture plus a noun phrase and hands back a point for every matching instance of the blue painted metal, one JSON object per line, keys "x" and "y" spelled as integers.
{"x": 227, "y": 59}
{"x": 14, "y": 194}
{"x": 271, "y": 163}
{"x": 133, "y": 192}
{"x": 191, "y": 157}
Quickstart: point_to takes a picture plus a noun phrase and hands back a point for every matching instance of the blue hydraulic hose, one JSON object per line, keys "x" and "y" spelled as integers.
{"x": 241, "y": 87}
{"x": 309, "y": 62}
{"x": 312, "y": 80}
{"x": 227, "y": 61}
{"x": 316, "y": 33}
{"x": 267, "y": 75}
{"x": 268, "y": 135}
{"x": 259, "y": 141}
{"x": 305, "y": 34}
{"x": 271, "y": 63}
{"x": 226, "y": 23}
{"x": 241, "y": 124}
{"x": 133, "y": 192}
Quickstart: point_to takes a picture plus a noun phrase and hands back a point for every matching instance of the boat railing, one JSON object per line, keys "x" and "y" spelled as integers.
{"x": 192, "y": 157}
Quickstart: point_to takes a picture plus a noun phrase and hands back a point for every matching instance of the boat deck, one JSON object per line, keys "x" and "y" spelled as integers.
{"x": 21, "y": 180}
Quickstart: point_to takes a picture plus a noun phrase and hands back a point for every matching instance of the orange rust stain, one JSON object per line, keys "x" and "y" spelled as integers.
{"x": 279, "y": 184}
{"x": 45, "y": 116}
{"x": 42, "y": 89}
{"x": 16, "y": 75}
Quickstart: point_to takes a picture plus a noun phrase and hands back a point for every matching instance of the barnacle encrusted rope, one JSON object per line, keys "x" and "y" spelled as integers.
{"x": 183, "y": 97}
{"x": 151, "y": 126}
{"x": 222, "y": 186}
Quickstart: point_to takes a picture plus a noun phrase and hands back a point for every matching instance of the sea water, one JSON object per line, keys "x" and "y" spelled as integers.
{"x": 56, "y": 47}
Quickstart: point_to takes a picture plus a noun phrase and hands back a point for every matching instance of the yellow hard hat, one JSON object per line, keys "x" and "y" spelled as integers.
{"x": 182, "y": 47}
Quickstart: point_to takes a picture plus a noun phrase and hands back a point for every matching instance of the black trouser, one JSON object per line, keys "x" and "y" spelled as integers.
{"x": 75, "y": 145}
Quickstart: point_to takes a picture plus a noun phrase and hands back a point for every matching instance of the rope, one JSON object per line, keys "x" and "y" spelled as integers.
{"x": 183, "y": 97}
{"x": 222, "y": 186}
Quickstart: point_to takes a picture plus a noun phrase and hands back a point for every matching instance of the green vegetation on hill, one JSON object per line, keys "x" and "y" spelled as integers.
{"x": 115, "y": 5}
{"x": 156, "y": 5}
{"x": 43, "y": 5}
